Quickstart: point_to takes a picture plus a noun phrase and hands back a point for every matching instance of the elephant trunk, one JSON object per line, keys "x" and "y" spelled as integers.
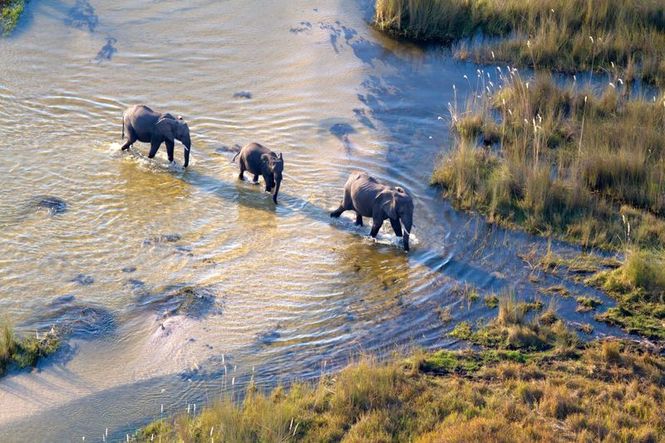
{"x": 187, "y": 149}
{"x": 187, "y": 142}
{"x": 278, "y": 182}
{"x": 407, "y": 224}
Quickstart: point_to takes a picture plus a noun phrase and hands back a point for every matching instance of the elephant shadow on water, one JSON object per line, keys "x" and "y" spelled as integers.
{"x": 243, "y": 194}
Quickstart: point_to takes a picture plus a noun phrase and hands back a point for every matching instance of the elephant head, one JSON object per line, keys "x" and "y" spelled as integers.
{"x": 175, "y": 128}
{"x": 397, "y": 206}
{"x": 274, "y": 166}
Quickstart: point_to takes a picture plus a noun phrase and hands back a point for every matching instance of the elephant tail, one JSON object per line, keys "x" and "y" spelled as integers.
{"x": 233, "y": 160}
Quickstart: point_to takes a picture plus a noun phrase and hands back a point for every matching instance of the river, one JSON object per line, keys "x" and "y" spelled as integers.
{"x": 177, "y": 286}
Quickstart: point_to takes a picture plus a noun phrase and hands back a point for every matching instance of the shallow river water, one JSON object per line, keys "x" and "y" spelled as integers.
{"x": 175, "y": 287}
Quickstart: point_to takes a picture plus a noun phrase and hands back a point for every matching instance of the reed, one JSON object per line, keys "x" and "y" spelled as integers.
{"x": 565, "y": 35}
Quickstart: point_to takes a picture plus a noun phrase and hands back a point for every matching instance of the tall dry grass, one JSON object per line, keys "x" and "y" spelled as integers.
{"x": 609, "y": 392}
{"x": 584, "y": 166}
{"x": 566, "y": 35}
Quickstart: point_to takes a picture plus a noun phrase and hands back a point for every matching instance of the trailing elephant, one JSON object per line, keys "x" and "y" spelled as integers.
{"x": 140, "y": 123}
{"x": 369, "y": 198}
{"x": 259, "y": 160}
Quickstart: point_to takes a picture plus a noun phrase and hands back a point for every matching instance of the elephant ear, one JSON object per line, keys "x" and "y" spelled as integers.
{"x": 166, "y": 127}
{"x": 389, "y": 204}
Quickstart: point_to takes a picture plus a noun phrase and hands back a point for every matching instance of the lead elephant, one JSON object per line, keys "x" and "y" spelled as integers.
{"x": 259, "y": 160}
{"x": 369, "y": 198}
{"x": 140, "y": 123}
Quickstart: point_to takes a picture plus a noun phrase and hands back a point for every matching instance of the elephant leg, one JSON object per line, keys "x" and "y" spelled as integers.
{"x": 268, "y": 181}
{"x": 397, "y": 227}
{"x": 377, "y": 222}
{"x": 131, "y": 139}
{"x": 154, "y": 147}
{"x": 169, "y": 149}
{"x": 241, "y": 176}
{"x": 375, "y": 229}
{"x": 359, "y": 219}
{"x": 256, "y": 178}
{"x": 337, "y": 212}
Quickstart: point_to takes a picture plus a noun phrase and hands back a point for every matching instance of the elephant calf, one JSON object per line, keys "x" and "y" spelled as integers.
{"x": 259, "y": 160}
{"x": 141, "y": 123}
{"x": 369, "y": 198}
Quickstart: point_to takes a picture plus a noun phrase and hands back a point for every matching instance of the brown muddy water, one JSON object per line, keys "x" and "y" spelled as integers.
{"x": 175, "y": 287}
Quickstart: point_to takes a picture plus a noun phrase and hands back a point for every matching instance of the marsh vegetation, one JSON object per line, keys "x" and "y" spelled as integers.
{"x": 557, "y": 390}
{"x": 568, "y": 162}
{"x": 562, "y": 35}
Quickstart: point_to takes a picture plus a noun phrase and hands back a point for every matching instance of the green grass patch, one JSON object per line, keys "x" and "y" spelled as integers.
{"x": 10, "y": 12}
{"x": 24, "y": 352}
{"x": 512, "y": 330}
{"x": 625, "y": 37}
{"x": 639, "y": 288}
{"x": 586, "y": 304}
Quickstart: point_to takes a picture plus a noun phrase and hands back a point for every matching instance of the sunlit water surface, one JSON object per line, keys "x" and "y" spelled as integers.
{"x": 279, "y": 292}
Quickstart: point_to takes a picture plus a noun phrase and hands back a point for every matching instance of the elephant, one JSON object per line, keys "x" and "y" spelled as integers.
{"x": 259, "y": 160}
{"x": 370, "y": 198}
{"x": 141, "y": 123}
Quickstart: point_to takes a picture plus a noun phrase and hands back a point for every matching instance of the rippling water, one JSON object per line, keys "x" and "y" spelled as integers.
{"x": 173, "y": 284}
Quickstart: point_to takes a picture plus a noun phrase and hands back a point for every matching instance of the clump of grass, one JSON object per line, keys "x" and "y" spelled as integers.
{"x": 462, "y": 331}
{"x": 513, "y": 330}
{"x": 559, "y": 290}
{"x": 24, "y": 352}
{"x": 585, "y": 328}
{"x": 445, "y": 314}
{"x": 586, "y": 304}
{"x": 611, "y": 391}
{"x": 492, "y": 301}
{"x": 626, "y": 36}
{"x": 10, "y": 11}
{"x": 639, "y": 287}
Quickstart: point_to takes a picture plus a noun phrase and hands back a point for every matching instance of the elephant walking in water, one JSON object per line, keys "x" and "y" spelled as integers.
{"x": 259, "y": 160}
{"x": 369, "y": 198}
{"x": 141, "y": 123}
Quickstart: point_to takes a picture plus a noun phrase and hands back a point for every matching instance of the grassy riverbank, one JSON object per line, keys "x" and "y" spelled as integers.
{"x": 534, "y": 382}
{"x": 10, "y": 11}
{"x": 564, "y": 35}
{"x": 584, "y": 167}
{"x": 26, "y": 351}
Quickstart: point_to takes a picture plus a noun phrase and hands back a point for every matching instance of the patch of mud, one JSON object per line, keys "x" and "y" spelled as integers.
{"x": 71, "y": 318}
{"x": 162, "y": 238}
{"x": 53, "y": 205}
{"x": 224, "y": 149}
{"x": 243, "y": 94}
{"x": 268, "y": 337}
{"x": 83, "y": 279}
{"x": 107, "y": 51}
{"x": 301, "y": 27}
{"x": 181, "y": 300}
{"x": 136, "y": 284}
{"x": 82, "y": 15}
